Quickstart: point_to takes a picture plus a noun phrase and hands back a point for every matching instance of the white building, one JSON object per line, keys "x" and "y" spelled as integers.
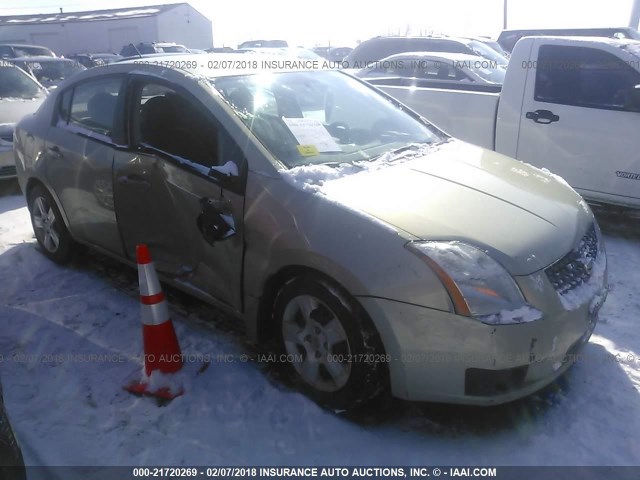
{"x": 108, "y": 30}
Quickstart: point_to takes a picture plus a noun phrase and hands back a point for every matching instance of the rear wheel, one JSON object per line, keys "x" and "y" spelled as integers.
{"x": 48, "y": 225}
{"x": 332, "y": 347}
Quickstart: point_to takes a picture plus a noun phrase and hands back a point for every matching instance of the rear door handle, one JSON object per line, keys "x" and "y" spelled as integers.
{"x": 544, "y": 117}
{"x": 134, "y": 181}
{"x": 55, "y": 151}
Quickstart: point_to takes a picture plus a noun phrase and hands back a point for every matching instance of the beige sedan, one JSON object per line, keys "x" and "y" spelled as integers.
{"x": 378, "y": 252}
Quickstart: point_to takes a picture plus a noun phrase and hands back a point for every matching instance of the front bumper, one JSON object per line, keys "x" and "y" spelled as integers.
{"x": 442, "y": 357}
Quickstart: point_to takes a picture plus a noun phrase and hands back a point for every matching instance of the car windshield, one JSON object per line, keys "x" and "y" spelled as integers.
{"x": 488, "y": 72}
{"x": 106, "y": 59}
{"x": 487, "y": 52}
{"x": 322, "y": 117}
{"x": 174, "y": 49}
{"x": 22, "y": 51}
{"x": 16, "y": 84}
{"x": 496, "y": 46}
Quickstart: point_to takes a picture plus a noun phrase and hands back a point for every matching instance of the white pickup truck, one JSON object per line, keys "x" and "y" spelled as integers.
{"x": 570, "y": 104}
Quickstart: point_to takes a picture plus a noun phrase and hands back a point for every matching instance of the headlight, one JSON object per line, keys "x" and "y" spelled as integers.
{"x": 479, "y": 286}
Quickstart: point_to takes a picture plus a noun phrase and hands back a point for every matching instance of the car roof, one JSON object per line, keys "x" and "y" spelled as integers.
{"x": 40, "y": 58}
{"x": 23, "y": 45}
{"x": 451, "y": 57}
{"x": 229, "y": 64}
{"x": 616, "y": 42}
{"x": 96, "y": 54}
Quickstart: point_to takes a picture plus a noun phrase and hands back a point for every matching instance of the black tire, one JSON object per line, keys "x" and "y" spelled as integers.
{"x": 52, "y": 227}
{"x": 345, "y": 373}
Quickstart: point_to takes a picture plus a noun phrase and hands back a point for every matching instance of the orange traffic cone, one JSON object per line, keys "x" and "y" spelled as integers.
{"x": 161, "y": 349}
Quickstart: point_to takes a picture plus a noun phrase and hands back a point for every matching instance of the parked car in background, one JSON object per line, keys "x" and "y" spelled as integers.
{"x": 272, "y": 195}
{"x": 509, "y": 38}
{"x": 292, "y": 52}
{"x": 569, "y": 104}
{"x": 20, "y": 95}
{"x": 11, "y": 461}
{"x": 334, "y": 54}
{"x": 322, "y": 51}
{"x": 18, "y": 50}
{"x": 263, "y": 44}
{"x": 89, "y": 60}
{"x": 378, "y": 48}
{"x": 49, "y": 71}
{"x": 489, "y": 42}
{"x": 143, "y": 48}
{"x": 427, "y": 69}
{"x": 337, "y": 54}
{"x": 220, "y": 50}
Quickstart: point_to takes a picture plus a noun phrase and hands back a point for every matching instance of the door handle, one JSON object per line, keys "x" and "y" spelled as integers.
{"x": 544, "y": 117}
{"x": 134, "y": 181}
{"x": 55, "y": 151}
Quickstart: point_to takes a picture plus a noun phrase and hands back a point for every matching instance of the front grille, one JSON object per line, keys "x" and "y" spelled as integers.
{"x": 575, "y": 268}
{"x": 7, "y": 138}
{"x": 8, "y": 171}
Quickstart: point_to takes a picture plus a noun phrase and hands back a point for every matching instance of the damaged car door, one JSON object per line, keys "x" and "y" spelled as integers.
{"x": 180, "y": 189}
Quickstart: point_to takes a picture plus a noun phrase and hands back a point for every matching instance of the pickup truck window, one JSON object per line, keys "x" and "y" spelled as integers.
{"x": 585, "y": 77}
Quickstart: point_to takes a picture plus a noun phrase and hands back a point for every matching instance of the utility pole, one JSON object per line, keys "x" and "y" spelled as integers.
{"x": 634, "y": 20}
{"x": 504, "y": 15}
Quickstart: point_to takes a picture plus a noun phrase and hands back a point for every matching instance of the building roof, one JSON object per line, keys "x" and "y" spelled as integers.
{"x": 88, "y": 16}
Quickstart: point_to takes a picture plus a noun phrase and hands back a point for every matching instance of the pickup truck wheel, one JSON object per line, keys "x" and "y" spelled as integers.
{"x": 51, "y": 232}
{"x": 332, "y": 348}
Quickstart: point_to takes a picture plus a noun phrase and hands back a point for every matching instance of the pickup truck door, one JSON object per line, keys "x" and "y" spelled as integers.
{"x": 580, "y": 118}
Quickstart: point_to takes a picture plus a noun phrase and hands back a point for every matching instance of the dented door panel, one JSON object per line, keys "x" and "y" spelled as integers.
{"x": 160, "y": 202}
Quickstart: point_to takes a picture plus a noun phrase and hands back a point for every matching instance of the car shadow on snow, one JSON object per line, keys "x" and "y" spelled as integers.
{"x": 583, "y": 382}
{"x": 12, "y": 202}
{"x": 587, "y": 381}
{"x": 621, "y": 223}
{"x": 9, "y": 187}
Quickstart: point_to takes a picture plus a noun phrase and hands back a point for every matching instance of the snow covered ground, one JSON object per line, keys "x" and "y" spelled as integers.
{"x": 70, "y": 338}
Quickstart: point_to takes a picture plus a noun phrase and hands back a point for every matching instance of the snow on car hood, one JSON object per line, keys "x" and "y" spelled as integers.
{"x": 524, "y": 217}
{"x": 13, "y": 109}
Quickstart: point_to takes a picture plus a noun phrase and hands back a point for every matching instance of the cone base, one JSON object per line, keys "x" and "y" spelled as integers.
{"x": 139, "y": 388}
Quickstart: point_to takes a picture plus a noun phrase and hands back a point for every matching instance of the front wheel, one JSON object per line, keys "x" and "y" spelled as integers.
{"x": 48, "y": 225}
{"x": 333, "y": 349}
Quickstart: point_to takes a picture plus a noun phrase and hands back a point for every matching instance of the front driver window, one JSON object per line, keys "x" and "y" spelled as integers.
{"x": 169, "y": 121}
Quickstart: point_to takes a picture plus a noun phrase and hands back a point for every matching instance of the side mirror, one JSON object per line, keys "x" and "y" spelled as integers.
{"x": 227, "y": 173}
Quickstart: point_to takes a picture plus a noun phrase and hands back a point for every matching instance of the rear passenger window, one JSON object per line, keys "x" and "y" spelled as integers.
{"x": 93, "y": 105}
{"x": 584, "y": 77}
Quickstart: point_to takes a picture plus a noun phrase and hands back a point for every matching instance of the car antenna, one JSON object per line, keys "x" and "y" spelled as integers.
{"x": 136, "y": 49}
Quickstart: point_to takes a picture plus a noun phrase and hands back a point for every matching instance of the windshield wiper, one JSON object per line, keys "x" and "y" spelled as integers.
{"x": 401, "y": 152}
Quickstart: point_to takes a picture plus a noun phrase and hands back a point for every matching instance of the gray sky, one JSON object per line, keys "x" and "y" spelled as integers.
{"x": 346, "y": 21}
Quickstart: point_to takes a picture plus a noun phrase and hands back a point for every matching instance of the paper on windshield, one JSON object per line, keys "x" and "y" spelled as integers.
{"x": 311, "y": 132}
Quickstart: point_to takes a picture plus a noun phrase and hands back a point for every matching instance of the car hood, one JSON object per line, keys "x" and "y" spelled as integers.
{"x": 13, "y": 109}
{"x": 524, "y": 217}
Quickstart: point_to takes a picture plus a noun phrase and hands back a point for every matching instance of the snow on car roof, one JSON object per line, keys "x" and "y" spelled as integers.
{"x": 215, "y": 65}
{"x": 616, "y": 42}
{"x": 452, "y": 57}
